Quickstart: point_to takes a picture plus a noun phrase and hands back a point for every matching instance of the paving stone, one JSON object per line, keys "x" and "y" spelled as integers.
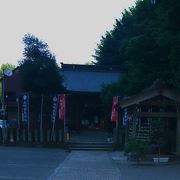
{"x": 87, "y": 165}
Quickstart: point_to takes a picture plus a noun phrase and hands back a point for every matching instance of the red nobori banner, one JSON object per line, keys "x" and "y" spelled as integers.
{"x": 61, "y": 100}
{"x": 114, "y": 114}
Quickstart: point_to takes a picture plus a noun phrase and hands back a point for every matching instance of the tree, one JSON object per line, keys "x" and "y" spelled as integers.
{"x": 146, "y": 42}
{"x": 4, "y": 66}
{"x": 7, "y": 65}
{"x": 38, "y": 69}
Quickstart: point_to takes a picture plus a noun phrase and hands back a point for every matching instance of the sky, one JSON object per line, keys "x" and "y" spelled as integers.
{"x": 71, "y": 28}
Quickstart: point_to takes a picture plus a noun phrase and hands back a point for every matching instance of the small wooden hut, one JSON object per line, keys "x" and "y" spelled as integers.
{"x": 157, "y": 103}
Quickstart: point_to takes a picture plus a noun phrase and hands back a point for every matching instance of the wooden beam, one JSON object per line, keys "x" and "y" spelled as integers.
{"x": 156, "y": 103}
{"x": 136, "y": 99}
{"x": 173, "y": 95}
{"x": 158, "y": 114}
{"x": 150, "y": 94}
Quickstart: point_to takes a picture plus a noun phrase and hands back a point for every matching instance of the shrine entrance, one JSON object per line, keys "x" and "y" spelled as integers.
{"x": 84, "y": 118}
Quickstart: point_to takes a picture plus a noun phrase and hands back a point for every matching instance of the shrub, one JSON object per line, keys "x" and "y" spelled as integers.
{"x": 137, "y": 149}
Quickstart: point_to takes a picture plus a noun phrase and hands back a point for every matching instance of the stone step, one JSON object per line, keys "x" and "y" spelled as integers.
{"x": 91, "y": 146}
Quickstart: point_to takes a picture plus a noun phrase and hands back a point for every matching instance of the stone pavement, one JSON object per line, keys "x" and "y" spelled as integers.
{"x": 87, "y": 165}
{"x": 146, "y": 170}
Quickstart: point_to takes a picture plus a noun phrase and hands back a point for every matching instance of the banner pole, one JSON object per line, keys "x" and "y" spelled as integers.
{"x": 28, "y": 112}
{"x": 17, "y": 100}
{"x": 54, "y": 121}
{"x": 52, "y": 133}
{"x": 64, "y": 117}
{"x": 41, "y": 120}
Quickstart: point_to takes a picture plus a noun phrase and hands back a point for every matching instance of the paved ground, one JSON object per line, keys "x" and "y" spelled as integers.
{"x": 84, "y": 165}
{"x": 87, "y": 165}
{"x": 17, "y": 163}
{"x": 150, "y": 172}
{"x": 146, "y": 171}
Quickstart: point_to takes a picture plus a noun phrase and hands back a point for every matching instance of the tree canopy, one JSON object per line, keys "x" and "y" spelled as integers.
{"x": 146, "y": 42}
{"x": 4, "y": 66}
{"x": 38, "y": 69}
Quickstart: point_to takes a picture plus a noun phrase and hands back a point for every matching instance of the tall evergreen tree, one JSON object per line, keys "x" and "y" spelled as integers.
{"x": 39, "y": 71}
{"x": 146, "y": 42}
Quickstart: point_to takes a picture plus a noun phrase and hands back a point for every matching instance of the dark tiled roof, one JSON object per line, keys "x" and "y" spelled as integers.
{"x": 80, "y": 67}
{"x": 89, "y": 78}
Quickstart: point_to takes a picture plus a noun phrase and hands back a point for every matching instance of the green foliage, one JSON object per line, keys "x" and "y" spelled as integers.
{"x": 159, "y": 135}
{"x": 108, "y": 92}
{"x": 3, "y": 66}
{"x": 146, "y": 42}
{"x": 38, "y": 69}
{"x": 137, "y": 148}
{"x": 7, "y": 65}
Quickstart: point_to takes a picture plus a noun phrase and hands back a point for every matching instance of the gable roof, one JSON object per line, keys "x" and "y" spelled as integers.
{"x": 91, "y": 68}
{"x": 89, "y": 78}
{"x": 152, "y": 92}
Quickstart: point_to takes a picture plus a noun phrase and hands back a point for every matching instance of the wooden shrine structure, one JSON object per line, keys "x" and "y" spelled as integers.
{"x": 158, "y": 102}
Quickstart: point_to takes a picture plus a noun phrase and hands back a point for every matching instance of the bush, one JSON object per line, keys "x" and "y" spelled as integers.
{"x": 136, "y": 148}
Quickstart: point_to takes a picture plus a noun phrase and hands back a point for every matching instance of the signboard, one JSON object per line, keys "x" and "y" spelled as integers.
{"x": 114, "y": 113}
{"x": 61, "y": 100}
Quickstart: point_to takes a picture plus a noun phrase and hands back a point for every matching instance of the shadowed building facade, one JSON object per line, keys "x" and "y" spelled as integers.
{"x": 83, "y": 85}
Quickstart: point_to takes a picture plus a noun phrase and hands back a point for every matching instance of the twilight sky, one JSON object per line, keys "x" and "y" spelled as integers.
{"x": 71, "y": 28}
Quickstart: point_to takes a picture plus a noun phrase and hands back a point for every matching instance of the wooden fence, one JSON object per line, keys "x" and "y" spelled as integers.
{"x": 31, "y": 136}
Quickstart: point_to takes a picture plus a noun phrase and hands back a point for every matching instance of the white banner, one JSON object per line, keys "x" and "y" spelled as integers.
{"x": 25, "y": 108}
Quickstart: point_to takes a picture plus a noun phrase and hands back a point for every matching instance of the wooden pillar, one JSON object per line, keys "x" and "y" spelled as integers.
{"x": 117, "y": 127}
{"x": 29, "y": 135}
{"x": 127, "y": 131}
{"x": 41, "y": 136}
{"x": 178, "y": 131}
{"x": 18, "y": 135}
{"x": 54, "y": 136}
{"x": 48, "y": 135}
{"x": 59, "y": 136}
{"x": 134, "y": 117}
{"x": 117, "y": 141}
{"x": 36, "y": 135}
